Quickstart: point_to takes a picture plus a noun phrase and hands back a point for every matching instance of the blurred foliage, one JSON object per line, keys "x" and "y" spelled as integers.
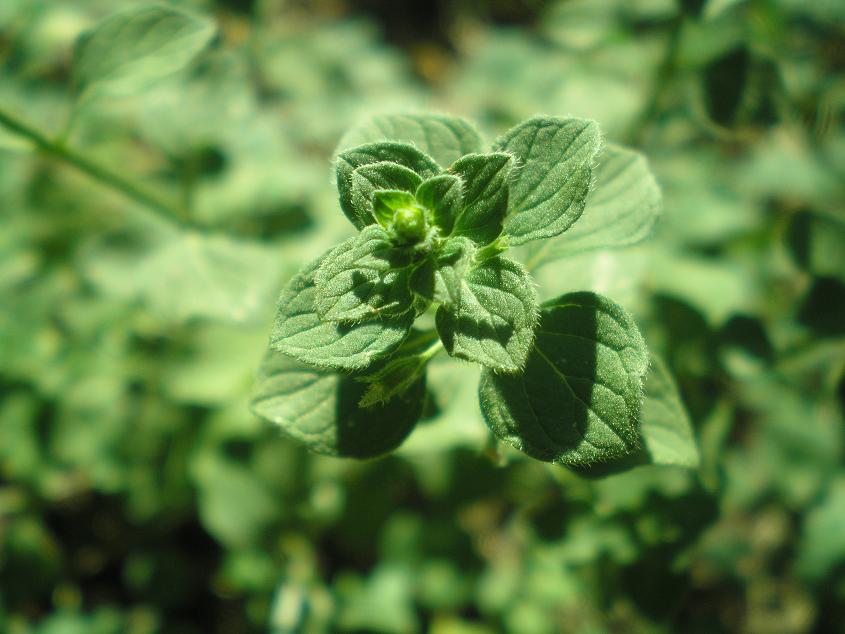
{"x": 139, "y": 495}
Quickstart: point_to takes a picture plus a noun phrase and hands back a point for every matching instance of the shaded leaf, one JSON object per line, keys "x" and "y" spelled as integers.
{"x": 443, "y": 196}
{"x": 485, "y": 195}
{"x": 320, "y": 409}
{"x": 578, "y": 400}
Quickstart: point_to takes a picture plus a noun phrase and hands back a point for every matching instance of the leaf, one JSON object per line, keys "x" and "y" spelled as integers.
{"x": 822, "y": 546}
{"x": 440, "y": 277}
{"x": 446, "y": 139}
{"x": 320, "y": 409}
{"x": 620, "y": 211}
{"x": 443, "y": 196}
{"x": 299, "y": 332}
{"x": 665, "y": 426}
{"x": 350, "y": 160}
{"x": 493, "y": 324}
{"x": 578, "y": 400}
{"x": 387, "y": 201}
{"x": 363, "y": 278}
{"x": 368, "y": 179}
{"x": 130, "y": 50}
{"x": 485, "y": 195}
{"x": 549, "y": 190}
{"x": 401, "y": 370}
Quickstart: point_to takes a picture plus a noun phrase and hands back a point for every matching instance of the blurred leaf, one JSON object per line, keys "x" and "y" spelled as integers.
{"x": 444, "y": 138}
{"x": 130, "y": 50}
{"x": 822, "y": 544}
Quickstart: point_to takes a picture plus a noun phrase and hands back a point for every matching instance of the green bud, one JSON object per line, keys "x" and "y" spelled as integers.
{"x": 409, "y": 224}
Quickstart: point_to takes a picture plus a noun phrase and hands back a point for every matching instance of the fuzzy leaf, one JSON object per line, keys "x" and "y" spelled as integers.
{"x": 446, "y": 139}
{"x": 320, "y": 409}
{"x": 299, "y": 332}
{"x": 549, "y": 189}
{"x": 363, "y": 278}
{"x": 368, "y": 179}
{"x": 443, "y": 196}
{"x": 493, "y": 323}
{"x": 578, "y": 400}
{"x": 387, "y": 201}
{"x": 400, "y": 153}
{"x": 132, "y": 49}
{"x": 485, "y": 195}
{"x": 620, "y": 211}
{"x": 400, "y": 371}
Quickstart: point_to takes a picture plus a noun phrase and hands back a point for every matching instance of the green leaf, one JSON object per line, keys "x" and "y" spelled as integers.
{"x": 578, "y": 400}
{"x": 387, "y": 201}
{"x": 401, "y": 370}
{"x": 400, "y": 153}
{"x": 822, "y": 547}
{"x": 130, "y": 50}
{"x": 665, "y": 426}
{"x": 320, "y": 409}
{"x": 621, "y": 210}
{"x": 443, "y": 196}
{"x": 493, "y": 323}
{"x": 299, "y": 332}
{"x": 364, "y": 278}
{"x": 440, "y": 277}
{"x": 485, "y": 195}
{"x": 368, "y": 179}
{"x": 446, "y": 139}
{"x": 549, "y": 190}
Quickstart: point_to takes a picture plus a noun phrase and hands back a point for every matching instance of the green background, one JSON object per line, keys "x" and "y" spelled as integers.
{"x": 138, "y": 494}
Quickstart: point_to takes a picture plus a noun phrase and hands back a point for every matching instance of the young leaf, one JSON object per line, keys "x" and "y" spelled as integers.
{"x": 368, "y": 179}
{"x": 401, "y": 370}
{"x": 299, "y": 332}
{"x": 443, "y": 196}
{"x": 451, "y": 265}
{"x": 400, "y": 153}
{"x": 363, "y": 278}
{"x": 548, "y": 192}
{"x": 387, "y": 201}
{"x": 320, "y": 409}
{"x": 485, "y": 196}
{"x": 620, "y": 211}
{"x": 446, "y": 139}
{"x": 132, "y": 49}
{"x": 578, "y": 400}
{"x": 493, "y": 323}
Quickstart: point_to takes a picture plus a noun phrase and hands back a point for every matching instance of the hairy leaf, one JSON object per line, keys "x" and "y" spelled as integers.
{"x": 320, "y": 409}
{"x": 366, "y": 277}
{"x": 549, "y": 189}
{"x": 446, "y": 139}
{"x": 401, "y": 370}
{"x": 386, "y": 151}
{"x": 485, "y": 196}
{"x": 493, "y": 322}
{"x": 443, "y": 196}
{"x": 299, "y": 332}
{"x": 368, "y": 179}
{"x": 130, "y": 50}
{"x": 620, "y": 211}
{"x": 578, "y": 400}
{"x": 387, "y": 201}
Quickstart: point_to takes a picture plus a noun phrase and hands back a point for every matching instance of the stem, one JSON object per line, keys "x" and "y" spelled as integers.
{"x": 113, "y": 180}
{"x": 660, "y": 84}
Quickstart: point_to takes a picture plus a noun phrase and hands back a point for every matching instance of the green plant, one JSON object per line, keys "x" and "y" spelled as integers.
{"x": 562, "y": 380}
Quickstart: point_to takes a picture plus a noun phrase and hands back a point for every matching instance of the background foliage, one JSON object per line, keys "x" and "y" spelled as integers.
{"x": 137, "y": 492}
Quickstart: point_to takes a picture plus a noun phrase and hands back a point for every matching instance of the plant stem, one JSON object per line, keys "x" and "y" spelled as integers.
{"x": 113, "y": 180}
{"x": 660, "y": 84}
